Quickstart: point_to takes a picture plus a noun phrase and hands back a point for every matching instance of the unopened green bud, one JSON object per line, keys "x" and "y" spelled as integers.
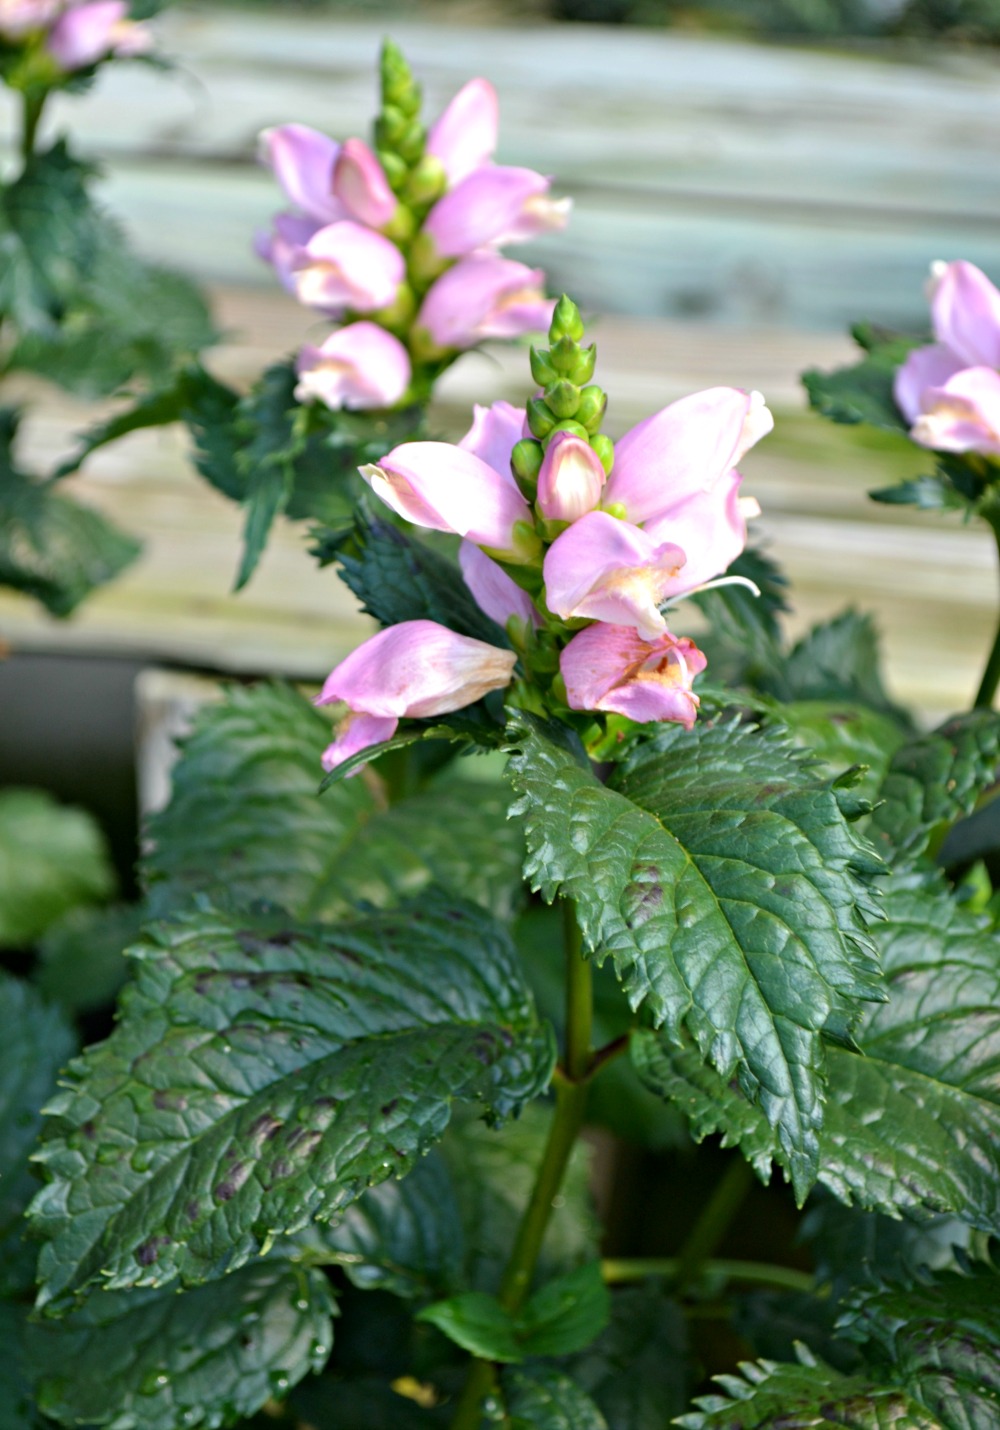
{"x": 585, "y": 363}
{"x": 411, "y": 144}
{"x": 576, "y": 429}
{"x": 562, "y": 398}
{"x": 541, "y": 369}
{"x": 390, "y": 127}
{"x": 564, "y": 356}
{"x": 527, "y": 549}
{"x": 399, "y": 314}
{"x": 426, "y": 181}
{"x": 425, "y": 263}
{"x": 540, "y": 419}
{"x": 605, "y": 449}
{"x": 566, "y": 321}
{"x": 592, "y": 407}
{"x": 395, "y": 74}
{"x": 395, "y": 169}
{"x": 401, "y": 226}
{"x": 526, "y": 461}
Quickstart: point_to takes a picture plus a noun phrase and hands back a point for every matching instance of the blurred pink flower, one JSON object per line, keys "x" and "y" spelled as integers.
{"x": 360, "y": 184}
{"x": 84, "y": 34}
{"x": 612, "y": 668}
{"x": 465, "y": 136}
{"x": 348, "y": 267}
{"x": 492, "y": 206}
{"x": 303, "y": 160}
{"x": 359, "y": 366}
{"x": 20, "y": 17}
{"x": 485, "y": 296}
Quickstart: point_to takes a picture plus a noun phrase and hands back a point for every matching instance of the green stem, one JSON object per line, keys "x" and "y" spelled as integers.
{"x": 756, "y": 1272}
{"x": 570, "y": 1084}
{"x": 991, "y": 675}
{"x": 715, "y": 1220}
{"x": 31, "y": 115}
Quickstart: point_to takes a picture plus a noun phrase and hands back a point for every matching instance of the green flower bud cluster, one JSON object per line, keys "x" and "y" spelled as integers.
{"x": 569, "y": 401}
{"x": 417, "y": 178}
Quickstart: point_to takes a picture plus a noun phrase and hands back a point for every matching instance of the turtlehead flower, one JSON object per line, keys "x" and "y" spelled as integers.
{"x": 493, "y": 206}
{"x": 446, "y": 488}
{"x": 612, "y": 668}
{"x": 347, "y": 266}
{"x": 84, "y": 34}
{"x": 416, "y": 669}
{"x": 493, "y": 434}
{"x": 303, "y": 160}
{"x": 359, "y": 366}
{"x": 20, "y": 17}
{"x": 464, "y": 138}
{"x": 571, "y": 479}
{"x": 949, "y": 391}
{"x": 484, "y": 296}
{"x": 603, "y": 569}
{"x": 360, "y": 184}
{"x": 493, "y": 590}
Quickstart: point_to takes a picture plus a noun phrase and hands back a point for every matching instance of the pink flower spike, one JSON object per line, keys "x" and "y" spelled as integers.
{"x": 710, "y": 526}
{"x": 485, "y": 296}
{"x": 609, "y": 570}
{"x": 359, "y": 182}
{"x": 416, "y": 669}
{"x": 494, "y": 206}
{"x": 87, "y": 33}
{"x": 965, "y": 312}
{"x": 925, "y": 367}
{"x": 303, "y": 161}
{"x": 360, "y": 366}
{"x": 347, "y": 266}
{"x": 465, "y": 135}
{"x": 284, "y": 246}
{"x": 493, "y": 434}
{"x": 570, "y": 480}
{"x": 436, "y": 485}
{"x": 684, "y": 448}
{"x": 963, "y": 415}
{"x": 612, "y": 668}
{"x": 494, "y": 591}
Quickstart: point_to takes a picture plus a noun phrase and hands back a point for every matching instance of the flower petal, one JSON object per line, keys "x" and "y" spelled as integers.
{"x": 360, "y": 366}
{"x": 356, "y": 733}
{"x": 465, "y": 136}
{"x": 303, "y": 160}
{"x": 612, "y": 668}
{"x": 360, "y": 184}
{"x": 347, "y": 266}
{"x": 965, "y": 313}
{"x": 925, "y": 367}
{"x": 493, "y": 433}
{"x": 684, "y": 448}
{"x": 571, "y": 479}
{"x": 485, "y": 296}
{"x": 710, "y": 527}
{"x": 963, "y": 415}
{"x": 492, "y": 206}
{"x": 493, "y": 590}
{"x": 611, "y": 571}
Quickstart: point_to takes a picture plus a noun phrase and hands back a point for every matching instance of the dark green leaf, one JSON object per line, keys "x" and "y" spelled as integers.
{"x": 36, "y": 1043}
{"x": 852, "y": 1247}
{"x": 940, "y": 1340}
{"x": 722, "y": 878}
{"x": 637, "y": 1371}
{"x": 52, "y": 858}
{"x": 768, "y": 1396}
{"x": 841, "y": 734}
{"x": 262, "y": 1076}
{"x": 360, "y": 1403}
{"x": 863, "y": 393}
{"x": 245, "y": 822}
{"x": 542, "y": 1398}
{"x": 773, "y": 1322}
{"x": 566, "y": 1314}
{"x": 52, "y": 548}
{"x": 933, "y": 780}
{"x": 837, "y": 660}
{"x": 82, "y": 957}
{"x": 929, "y": 493}
{"x": 744, "y": 637}
{"x": 975, "y": 837}
{"x": 155, "y": 1360}
{"x": 478, "y": 1323}
{"x": 399, "y": 578}
{"x": 274, "y": 435}
{"x": 17, "y": 1409}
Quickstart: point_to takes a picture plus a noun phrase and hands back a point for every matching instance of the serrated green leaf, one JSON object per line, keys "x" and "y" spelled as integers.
{"x": 155, "y": 1360}
{"x": 493, "y": 1174}
{"x": 933, "y": 780}
{"x": 773, "y": 1322}
{"x": 82, "y": 961}
{"x": 724, "y": 882}
{"x": 542, "y": 1398}
{"x": 274, "y": 435}
{"x": 51, "y": 547}
{"x": 841, "y": 734}
{"x": 863, "y": 393}
{"x": 478, "y": 1323}
{"x": 154, "y": 409}
{"x": 397, "y": 577}
{"x": 837, "y": 660}
{"x": 52, "y": 859}
{"x": 929, "y": 493}
{"x": 245, "y": 822}
{"x": 36, "y": 1043}
{"x": 637, "y": 1372}
{"x": 771, "y": 1396}
{"x": 852, "y": 1247}
{"x": 940, "y": 1340}
{"x": 263, "y": 1075}
{"x": 913, "y": 1125}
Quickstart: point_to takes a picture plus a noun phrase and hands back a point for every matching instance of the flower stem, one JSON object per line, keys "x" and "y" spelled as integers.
{"x": 31, "y": 115}
{"x": 714, "y": 1222}
{"x": 991, "y": 675}
{"x": 754, "y": 1272}
{"x": 570, "y": 1084}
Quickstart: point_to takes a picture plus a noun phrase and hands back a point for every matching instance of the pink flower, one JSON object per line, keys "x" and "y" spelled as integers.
{"x": 608, "y": 570}
{"x": 684, "y": 449}
{"x": 612, "y": 668}
{"x": 485, "y": 296}
{"x": 303, "y": 162}
{"x": 358, "y": 366}
{"x": 465, "y": 135}
{"x": 495, "y": 593}
{"x": 416, "y": 669}
{"x": 283, "y": 248}
{"x": 346, "y": 266}
{"x": 445, "y": 488}
{"x": 493, "y": 206}
{"x": 493, "y": 434}
{"x": 571, "y": 479}
{"x": 949, "y": 391}
{"x": 87, "y": 33}
{"x": 20, "y": 17}
{"x": 360, "y": 184}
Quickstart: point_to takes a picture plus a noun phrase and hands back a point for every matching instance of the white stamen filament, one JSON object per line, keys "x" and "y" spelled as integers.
{"x": 751, "y": 586}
